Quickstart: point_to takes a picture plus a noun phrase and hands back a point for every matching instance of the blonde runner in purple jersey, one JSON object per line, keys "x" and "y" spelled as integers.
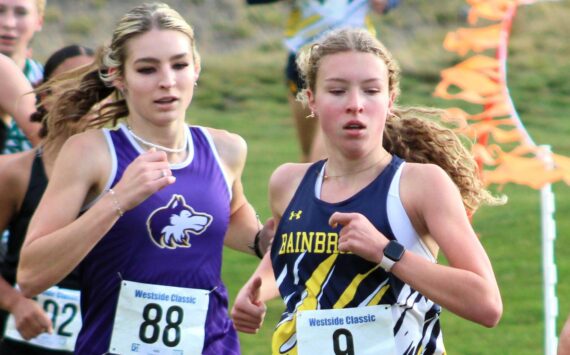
{"x": 143, "y": 210}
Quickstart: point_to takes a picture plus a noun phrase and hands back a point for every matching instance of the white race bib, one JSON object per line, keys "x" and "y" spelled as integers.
{"x": 347, "y": 331}
{"x": 159, "y": 320}
{"x": 62, "y": 306}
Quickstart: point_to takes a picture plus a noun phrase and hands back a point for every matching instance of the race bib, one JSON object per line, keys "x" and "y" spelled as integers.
{"x": 158, "y": 320}
{"x": 347, "y": 331}
{"x": 62, "y": 306}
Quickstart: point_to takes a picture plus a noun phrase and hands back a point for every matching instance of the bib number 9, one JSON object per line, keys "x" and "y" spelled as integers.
{"x": 348, "y": 344}
{"x": 359, "y": 330}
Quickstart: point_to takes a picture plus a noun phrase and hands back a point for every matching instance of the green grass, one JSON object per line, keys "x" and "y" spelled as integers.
{"x": 248, "y": 97}
{"x": 244, "y": 93}
{"x": 241, "y": 89}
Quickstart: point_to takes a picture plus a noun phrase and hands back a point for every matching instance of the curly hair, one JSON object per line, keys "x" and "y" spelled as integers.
{"x": 411, "y": 136}
{"x": 412, "y": 133}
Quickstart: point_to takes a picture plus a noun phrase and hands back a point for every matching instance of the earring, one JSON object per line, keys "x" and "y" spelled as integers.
{"x": 195, "y": 83}
{"x": 312, "y": 115}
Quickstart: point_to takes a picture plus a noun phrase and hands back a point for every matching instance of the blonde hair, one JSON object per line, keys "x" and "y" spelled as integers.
{"x": 140, "y": 20}
{"x": 41, "y": 6}
{"x": 411, "y": 132}
{"x": 344, "y": 40}
{"x": 79, "y": 92}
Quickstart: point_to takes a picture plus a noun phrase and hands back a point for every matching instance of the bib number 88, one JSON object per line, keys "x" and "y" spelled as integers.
{"x": 152, "y": 315}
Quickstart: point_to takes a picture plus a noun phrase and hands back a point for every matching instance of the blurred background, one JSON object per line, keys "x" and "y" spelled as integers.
{"x": 241, "y": 89}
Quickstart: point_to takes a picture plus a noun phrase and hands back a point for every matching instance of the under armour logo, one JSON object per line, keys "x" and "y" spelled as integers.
{"x": 295, "y": 214}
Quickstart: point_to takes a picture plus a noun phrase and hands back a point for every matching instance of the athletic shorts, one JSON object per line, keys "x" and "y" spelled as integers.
{"x": 12, "y": 347}
{"x": 293, "y": 79}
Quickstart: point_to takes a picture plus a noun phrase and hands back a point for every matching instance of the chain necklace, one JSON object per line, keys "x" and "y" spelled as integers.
{"x": 160, "y": 147}
{"x": 325, "y": 176}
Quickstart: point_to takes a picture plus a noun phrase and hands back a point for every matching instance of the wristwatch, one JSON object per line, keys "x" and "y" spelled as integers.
{"x": 393, "y": 252}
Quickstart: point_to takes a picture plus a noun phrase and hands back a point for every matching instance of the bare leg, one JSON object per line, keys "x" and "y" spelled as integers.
{"x": 306, "y": 127}
{"x": 318, "y": 150}
{"x": 564, "y": 341}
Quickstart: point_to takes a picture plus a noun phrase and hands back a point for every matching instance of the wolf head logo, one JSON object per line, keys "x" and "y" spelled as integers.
{"x": 171, "y": 226}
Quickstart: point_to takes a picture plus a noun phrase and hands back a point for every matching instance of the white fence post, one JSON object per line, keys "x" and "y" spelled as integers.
{"x": 548, "y": 261}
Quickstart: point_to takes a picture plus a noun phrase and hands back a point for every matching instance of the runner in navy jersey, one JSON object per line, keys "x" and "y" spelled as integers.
{"x": 355, "y": 251}
{"x": 156, "y": 199}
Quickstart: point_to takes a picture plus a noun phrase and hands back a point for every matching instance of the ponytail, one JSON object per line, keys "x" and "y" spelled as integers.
{"x": 420, "y": 139}
{"x": 80, "y": 100}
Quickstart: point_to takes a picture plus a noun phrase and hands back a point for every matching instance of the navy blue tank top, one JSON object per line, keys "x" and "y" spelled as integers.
{"x": 304, "y": 240}
{"x": 312, "y": 274}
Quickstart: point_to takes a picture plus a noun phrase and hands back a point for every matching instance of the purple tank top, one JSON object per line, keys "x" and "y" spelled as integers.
{"x": 174, "y": 238}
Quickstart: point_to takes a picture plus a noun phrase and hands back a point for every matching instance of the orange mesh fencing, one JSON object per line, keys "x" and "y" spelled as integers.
{"x": 481, "y": 80}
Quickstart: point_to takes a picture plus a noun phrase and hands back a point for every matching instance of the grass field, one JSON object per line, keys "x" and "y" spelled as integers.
{"x": 245, "y": 94}
{"x": 241, "y": 89}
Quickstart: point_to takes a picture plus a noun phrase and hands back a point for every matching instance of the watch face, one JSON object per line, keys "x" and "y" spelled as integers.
{"x": 394, "y": 250}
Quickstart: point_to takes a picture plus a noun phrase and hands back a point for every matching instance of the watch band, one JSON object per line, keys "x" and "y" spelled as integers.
{"x": 387, "y": 263}
{"x": 393, "y": 252}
